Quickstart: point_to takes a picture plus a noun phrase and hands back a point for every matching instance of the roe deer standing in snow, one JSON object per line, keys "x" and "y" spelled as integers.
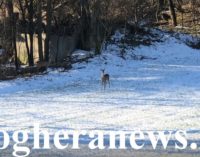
{"x": 105, "y": 79}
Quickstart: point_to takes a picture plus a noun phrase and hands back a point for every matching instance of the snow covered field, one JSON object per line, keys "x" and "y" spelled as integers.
{"x": 161, "y": 94}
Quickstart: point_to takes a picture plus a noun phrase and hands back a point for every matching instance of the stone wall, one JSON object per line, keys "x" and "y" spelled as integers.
{"x": 60, "y": 47}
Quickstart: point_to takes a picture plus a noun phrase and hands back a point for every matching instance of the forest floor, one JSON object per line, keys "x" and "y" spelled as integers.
{"x": 161, "y": 92}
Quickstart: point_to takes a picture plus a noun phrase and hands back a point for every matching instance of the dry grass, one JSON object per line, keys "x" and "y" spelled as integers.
{"x": 186, "y": 22}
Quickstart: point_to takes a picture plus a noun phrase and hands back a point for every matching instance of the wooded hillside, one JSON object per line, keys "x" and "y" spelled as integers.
{"x": 50, "y": 30}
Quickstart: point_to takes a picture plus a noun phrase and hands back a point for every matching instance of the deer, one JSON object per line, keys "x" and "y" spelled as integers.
{"x": 105, "y": 79}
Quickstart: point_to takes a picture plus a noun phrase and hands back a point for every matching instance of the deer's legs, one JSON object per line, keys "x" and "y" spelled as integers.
{"x": 102, "y": 85}
{"x": 109, "y": 83}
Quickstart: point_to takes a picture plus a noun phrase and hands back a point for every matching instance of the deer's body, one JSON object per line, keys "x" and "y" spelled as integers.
{"x": 105, "y": 79}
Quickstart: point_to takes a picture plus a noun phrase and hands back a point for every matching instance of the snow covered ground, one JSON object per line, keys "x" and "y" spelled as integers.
{"x": 161, "y": 94}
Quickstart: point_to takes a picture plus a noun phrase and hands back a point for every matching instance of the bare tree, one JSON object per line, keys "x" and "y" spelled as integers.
{"x": 23, "y": 13}
{"x": 12, "y": 18}
{"x": 173, "y": 12}
{"x": 29, "y": 5}
{"x": 48, "y": 28}
{"x": 39, "y": 29}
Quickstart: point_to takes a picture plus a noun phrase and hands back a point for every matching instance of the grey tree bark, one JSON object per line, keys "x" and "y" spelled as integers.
{"x": 173, "y": 12}
{"x": 48, "y": 29}
{"x": 12, "y": 30}
{"x": 39, "y": 29}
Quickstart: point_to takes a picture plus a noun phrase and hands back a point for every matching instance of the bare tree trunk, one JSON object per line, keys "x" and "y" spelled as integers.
{"x": 31, "y": 32}
{"x": 14, "y": 42}
{"x": 40, "y": 44}
{"x": 173, "y": 12}
{"x": 9, "y": 25}
{"x": 57, "y": 49}
{"x": 95, "y": 25}
{"x": 12, "y": 28}
{"x": 160, "y": 4}
{"x": 29, "y": 5}
{"x": 48, "y": 29}
{"x": 25, "y": 34}
{"x": 85, "y": 25}
{"x": 15, "y": 47}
